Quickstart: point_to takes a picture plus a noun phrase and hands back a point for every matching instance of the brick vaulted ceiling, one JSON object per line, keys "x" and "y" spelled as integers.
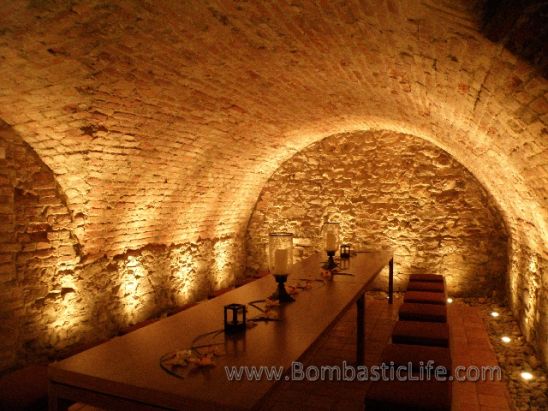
{"x": 162, "y": 120}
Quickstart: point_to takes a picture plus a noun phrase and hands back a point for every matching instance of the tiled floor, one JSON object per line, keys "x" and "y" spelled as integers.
{"x": 469, "y": 346}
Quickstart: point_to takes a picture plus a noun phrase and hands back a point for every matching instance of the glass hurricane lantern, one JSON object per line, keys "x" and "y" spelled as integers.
{"x": 280, "y": 257}
{"x": 331, "y": 241}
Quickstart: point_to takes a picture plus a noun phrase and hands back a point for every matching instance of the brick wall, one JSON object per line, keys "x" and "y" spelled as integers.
{"x": 162, "y": 124}
{"x": 53, "y": 298}
{"x": 387, "y": 190}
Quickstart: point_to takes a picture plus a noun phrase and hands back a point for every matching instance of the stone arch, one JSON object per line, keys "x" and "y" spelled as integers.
{"x": 171, "y": 143}
{"x": 41, "y": 303}
{"x": 388, "y": 190}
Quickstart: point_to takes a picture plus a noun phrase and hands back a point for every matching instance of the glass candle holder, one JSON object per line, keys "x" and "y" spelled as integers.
{"x": 280, "y": 257}
{"x": 330, "y": 233}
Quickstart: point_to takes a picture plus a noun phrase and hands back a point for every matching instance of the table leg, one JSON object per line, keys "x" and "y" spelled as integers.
{"x": 360, "y": 336}
{"x": 391, "y": 281}
{"x": 54, "y": 402}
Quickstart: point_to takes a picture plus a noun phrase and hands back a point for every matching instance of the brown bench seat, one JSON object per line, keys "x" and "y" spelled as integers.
{"x": 426, "y": 286}
{"x": 423, "y": 312}
{"x": 25, "y": 389}
{"x": 421, "y": 333}
{"x": 424, "y": 297}
{"x": 408, "y": 396}
{"x": 417, "y": 355}
{"x": 426, "y": 277}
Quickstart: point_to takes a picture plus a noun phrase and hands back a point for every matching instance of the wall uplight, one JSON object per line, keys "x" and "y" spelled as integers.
{"x": 505, "y": 339}
{"x": 494, "y": 314}
{"x": 449, "y": 300}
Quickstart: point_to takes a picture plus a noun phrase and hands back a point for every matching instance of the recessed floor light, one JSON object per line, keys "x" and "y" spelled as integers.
{"x": 527, "y": 376}
{"x": 494, "y": 314}
{"x": 449, "y": 300}
{"x": 506, "y": 339}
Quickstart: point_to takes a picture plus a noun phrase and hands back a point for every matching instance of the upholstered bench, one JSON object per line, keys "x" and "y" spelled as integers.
{"x": 431, "y": 286}
{"x": 428, "y": 395}
{"x": 417, "y": 355}
{"x": 426, "y": 277}
{"x": 25, "y": 389}
{"x": 421, "y": 333}
{"x": 423, "y": 312}
{"x": 424, "y": 297}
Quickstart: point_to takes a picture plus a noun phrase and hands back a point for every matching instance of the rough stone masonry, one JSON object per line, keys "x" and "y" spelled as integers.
{"x": 388, "y": 190}
{"x": 160, "y": 125}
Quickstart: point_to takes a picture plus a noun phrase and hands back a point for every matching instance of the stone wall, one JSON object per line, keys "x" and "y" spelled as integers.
{"x": 527, "y": 293}
{"x": 387, "y": 190}
{"x": 162, "y": 124}
{"x": 54, "y": 298}
{"x": 37, "y": 251}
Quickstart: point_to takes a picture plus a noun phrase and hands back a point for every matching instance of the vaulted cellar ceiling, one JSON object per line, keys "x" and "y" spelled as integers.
{"x": 162, "y": 121}
{"x": 197, "y": 103}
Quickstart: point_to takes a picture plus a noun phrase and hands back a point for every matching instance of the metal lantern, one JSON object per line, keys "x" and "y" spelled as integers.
{"x": 235, "y": 318}
{"x": 280, "y": 257}
{"x": 345, "y": 251}
{"x": 331, "y": 240}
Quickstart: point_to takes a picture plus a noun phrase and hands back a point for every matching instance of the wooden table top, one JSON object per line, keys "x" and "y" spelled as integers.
{"x": 129, "y": 366}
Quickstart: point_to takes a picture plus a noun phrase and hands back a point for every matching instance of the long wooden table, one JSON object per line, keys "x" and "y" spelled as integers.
{"x": 124, "y": 373}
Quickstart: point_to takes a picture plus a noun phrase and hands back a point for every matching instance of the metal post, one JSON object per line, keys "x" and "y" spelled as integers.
{"x": 360, "y": 337}
{"x": 391, "y": 281}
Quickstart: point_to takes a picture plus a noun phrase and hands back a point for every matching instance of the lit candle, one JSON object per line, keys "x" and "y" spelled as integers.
{"x": 331, "y": 242}
{"x": 280, "y": 261}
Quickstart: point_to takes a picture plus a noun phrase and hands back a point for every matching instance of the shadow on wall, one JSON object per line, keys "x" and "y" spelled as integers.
{"x": 388, "y": 190}
{"x": 52, "y": 299}
{"x": 520, "y": 25}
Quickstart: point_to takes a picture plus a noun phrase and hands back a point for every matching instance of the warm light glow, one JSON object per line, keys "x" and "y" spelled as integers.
{"x": 527, "y": 376}
{"x": 65, "y": 312}
{"x": 506, "y": 339}
{"x": 449, "y": 300}
{"x": 135, "y": 291}
{"x": 494, "y": 314}
{"x": 224, "y": 254}
{"x": 183, "y": 264}
{"x": 533, "y": 264}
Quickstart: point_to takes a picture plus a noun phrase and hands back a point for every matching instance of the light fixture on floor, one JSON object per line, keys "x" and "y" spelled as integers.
{"x": 449, "y": 300}
{"x": 494, "y": 314}
{"x": 505, "y": 339}
{"x": 527, "y": 376}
